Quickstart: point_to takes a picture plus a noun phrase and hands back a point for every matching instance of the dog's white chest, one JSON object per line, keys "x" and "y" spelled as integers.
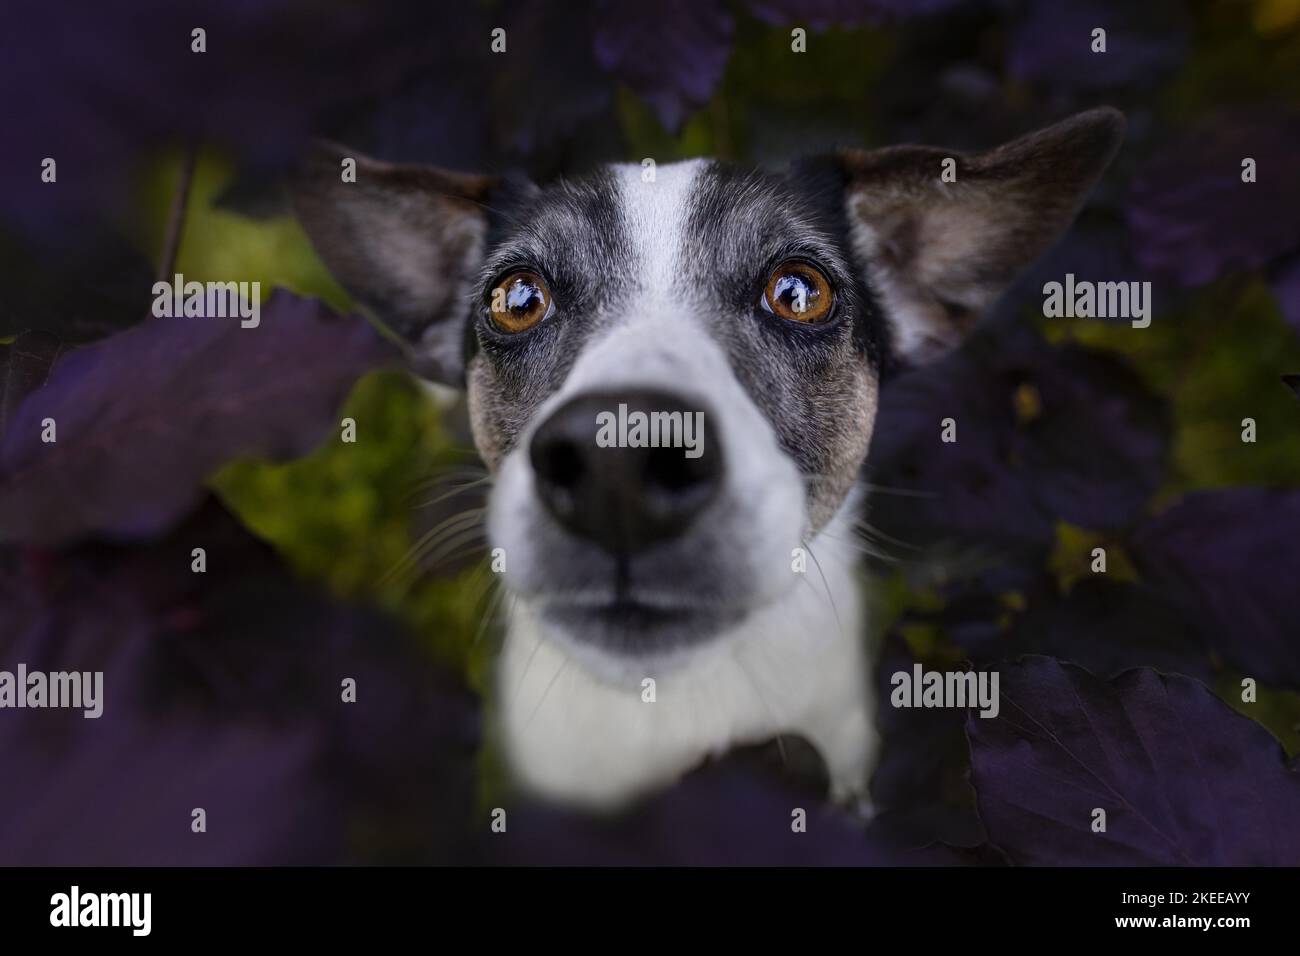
{"x": 797, "y": 666}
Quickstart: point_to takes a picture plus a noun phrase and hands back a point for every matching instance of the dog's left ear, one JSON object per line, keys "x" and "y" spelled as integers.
{"x": 941, "y": 235}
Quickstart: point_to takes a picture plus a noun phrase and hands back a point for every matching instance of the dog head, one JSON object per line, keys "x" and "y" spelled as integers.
{"x": 673, "y": 373}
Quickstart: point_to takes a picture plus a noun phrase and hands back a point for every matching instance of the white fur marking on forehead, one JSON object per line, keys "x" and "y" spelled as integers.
{"x": 657, "y": 339}
{"x": 655, "y": 213}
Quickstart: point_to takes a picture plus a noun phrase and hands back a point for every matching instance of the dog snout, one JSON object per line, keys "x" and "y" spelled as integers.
{"x": 626, "y": 469}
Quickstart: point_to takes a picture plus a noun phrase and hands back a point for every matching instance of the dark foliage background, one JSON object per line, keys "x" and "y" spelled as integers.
{"x": 329, "y": 560}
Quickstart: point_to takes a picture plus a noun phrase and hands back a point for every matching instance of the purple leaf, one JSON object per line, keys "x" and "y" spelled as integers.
{"x": 534, "y": 103}
{"x": 722, "y": 815}
{"x": 1052, "y": 44}
{"x": 671, "y": 54}
{"x": 1095, "y": 444}
{"x": 1192, "y": 217}
{"x": 119, "y": 789}
{"x": 431, "y": 121}
{"x": 1111, "y": 626}
{"x": 1042, "y": 433}
{"x": 1286, "y": 287}
{"x": 820, "y": 14}
{"x": 932, "y": 493}
{"x": 145, "y": 416}
{"x": 78, "y": 285}
{"x": 1230, "y": 557}
{"x": 222, "y": 691}
{"x": 123, "y": 794}
{"x": 106, "y": 97}
{"x": 101, "y": 90}
{"x": 920, "y": 786}
{"x": 24, "y": 365}
{"x": 1182, "y": 778}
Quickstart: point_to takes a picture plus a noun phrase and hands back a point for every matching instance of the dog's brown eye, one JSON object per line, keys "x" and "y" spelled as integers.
{"x": 519, "y": 301}
{"x": 799, "y": 292}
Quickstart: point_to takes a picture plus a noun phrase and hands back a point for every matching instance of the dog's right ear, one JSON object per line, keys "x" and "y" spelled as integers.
{"x": 405, "y": 241}
{"x": 940, "y": 251}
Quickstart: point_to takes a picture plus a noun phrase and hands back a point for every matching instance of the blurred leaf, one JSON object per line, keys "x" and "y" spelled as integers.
{"x": 1182, "y": 779}
{"x": 1278, "y": 710}
{"x": 671, "y": 54}
{"x": 1216, "y": 361}
{"x": 1276, "y": 16}
{"x": 646, "y": 138}
{"x": 222, "y": 690}
{"x": 219, "y": 245}
{"x": 1042, "y": 434}
{"x": 1233, "y": 64}
{"x": 1052, "y": 43}
{"x": 1230, "y": 557}
{"x": 24, "y": 365}
{"x": 725, "y": 814}
{"x": 145, "y": 416}
{"x": 1109, "y": 626}
{"x": 347, "y": 515}
{"x": 921, "y": 782}
{"x": 1071, "y": 560}
{"x": 100, "y": 91}
{"x": 1285, "y": 281}
{"x": 534, "y": 103}
{"x": 79, "y": 286}
{"x": 820, "y": 14}
{"x": 1193, "y": 218}
{"x": 781, "y": 105}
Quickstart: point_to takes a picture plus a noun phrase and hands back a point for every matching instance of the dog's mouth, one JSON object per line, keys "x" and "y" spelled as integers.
{"x": 637, "y": 625}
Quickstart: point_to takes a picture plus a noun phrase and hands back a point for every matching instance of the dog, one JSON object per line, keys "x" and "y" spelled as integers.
{"x": 664, "y": 606}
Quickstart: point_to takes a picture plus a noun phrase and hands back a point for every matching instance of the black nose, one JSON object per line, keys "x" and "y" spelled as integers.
{"x": 613, "y": 467}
